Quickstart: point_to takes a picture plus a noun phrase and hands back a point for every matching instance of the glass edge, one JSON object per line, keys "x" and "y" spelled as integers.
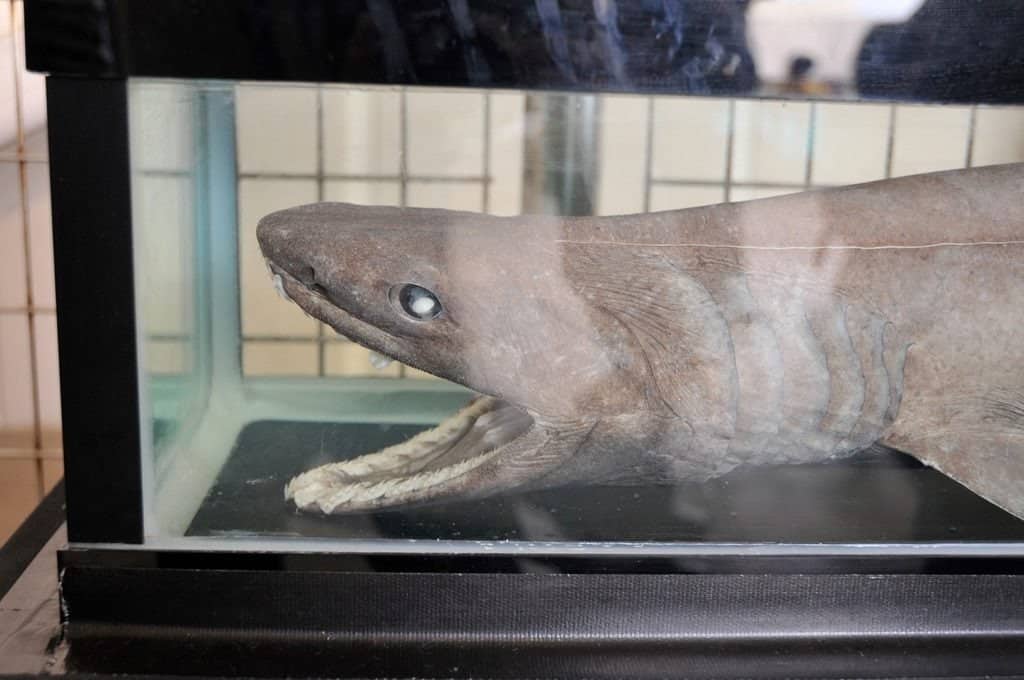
{"x": 567, "y": 549}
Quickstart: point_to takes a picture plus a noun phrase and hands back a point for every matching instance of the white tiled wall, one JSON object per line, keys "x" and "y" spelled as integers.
{"x": 29, "y": 394}
{"x": 623, "y": 131}
{"x": 927, "y": 138}
{"x": 464, "y": 150}
{"x": 847, "y": 145}
{"x": 771, "y": 142}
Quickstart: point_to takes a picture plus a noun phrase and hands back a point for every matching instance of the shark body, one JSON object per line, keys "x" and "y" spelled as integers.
{"x": 679, "y": 345}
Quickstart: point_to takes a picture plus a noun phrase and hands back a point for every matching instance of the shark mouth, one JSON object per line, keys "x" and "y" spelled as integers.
{"x": 454, "y": 458}
{"x": 420, "y": 468}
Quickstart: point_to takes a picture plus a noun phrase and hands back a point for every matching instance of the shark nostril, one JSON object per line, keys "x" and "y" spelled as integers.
{"x": 308, "y": 278}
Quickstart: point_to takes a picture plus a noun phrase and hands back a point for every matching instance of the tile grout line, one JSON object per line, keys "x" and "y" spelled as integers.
{"x": 474, "y": 179}
{"x": 236, "y": 145}
{"x": 321, "y": 359}
{"x": 890, "y": 141}
{"x": 25, "y": 310}
{"x": 972, "y": 124}
{"x": 648, "y": 154}
{"x": 403, "y": 164}
{"x": 37, "y": 432}
{"x": 403, "y": 161}
{"x": 730, "y": 142}
{"x": 812, "y": 123}
{"x": 22, "y": 157}
{"x": 275, "y": 337}
{"x": 343, "y": 176}
{"x": 742, "y": 185}
{"x": 486, "y": 184}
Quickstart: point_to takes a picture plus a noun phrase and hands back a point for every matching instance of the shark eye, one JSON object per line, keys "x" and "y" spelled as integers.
{"x": 418, "y": 302}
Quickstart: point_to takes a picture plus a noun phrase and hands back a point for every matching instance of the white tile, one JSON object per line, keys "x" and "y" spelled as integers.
{"x": 17, "y": 420}
{"x": 53, "y": 472}
{"x": 350, "y": 360}
{"x": 505, "y": 195}
{"x": 929, "y": 138}
{"x": 8, "y": 100}
{"x": 162, "y": 134}
{"x": 166, "y": 357}
{"x": 690, "y": 138}
{"x": 164, "y": 259}
{"x": 770, "y": 141}
{"x": 417, "y": 374}
{"x": 40, "y": 234}
{"x": 276, "y": 129}
{"x": 445, "y": 133}
{"x": 33, "y": 85}
{"x": 751, "y": 193}
{"x": 850, "y": 143}
{"x": 19, "y": 493}
{"x": 279, "y": 358}
{"x": 48, "y": 377}
{"x": 362, "y": 131}
{"x": 450, "y": 195}
{"x": 669, "y": 197}
{"x": 363, "y": 192}
{"x": 12, "y": 238}
{"x": 263, "y": 311}
{"x": 998, "y": 136}
{"x": 623, "y": 155}
{"x": 36, "y": 147}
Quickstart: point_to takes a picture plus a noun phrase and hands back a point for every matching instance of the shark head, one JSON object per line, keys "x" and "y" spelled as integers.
{"x": 478, "y": 300}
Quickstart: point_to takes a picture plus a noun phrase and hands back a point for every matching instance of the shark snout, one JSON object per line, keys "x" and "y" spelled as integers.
{"x": 287, "y": 247}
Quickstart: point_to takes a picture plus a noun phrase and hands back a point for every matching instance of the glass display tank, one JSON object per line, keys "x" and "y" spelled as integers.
{"x": 356, "y": 295}
{"x": 243, "y": 388}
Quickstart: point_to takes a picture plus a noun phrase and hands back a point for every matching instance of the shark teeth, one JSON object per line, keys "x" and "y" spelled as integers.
{"x": 379, "y": 361}
{"x": 279, "y": 287}
{"x": 394, "y": 471}
{"x": 315, "y": 491}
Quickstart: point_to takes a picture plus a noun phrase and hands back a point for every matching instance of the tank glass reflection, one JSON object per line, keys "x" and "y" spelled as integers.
{"x": 694, "y": 376}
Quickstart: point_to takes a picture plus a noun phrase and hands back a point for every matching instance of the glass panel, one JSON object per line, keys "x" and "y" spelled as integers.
{"x": 168, "y": 258}
{"x": 776, "y": 359}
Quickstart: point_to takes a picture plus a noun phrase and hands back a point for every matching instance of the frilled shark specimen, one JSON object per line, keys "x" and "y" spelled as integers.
{"x": 678, "y": 345}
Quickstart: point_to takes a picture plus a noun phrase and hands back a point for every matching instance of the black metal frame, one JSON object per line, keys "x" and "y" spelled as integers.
{"x": 554, "y": 562}
{"x": 333, "y": 624}
{"x": 498, "y": 43}
{"x": 90, "y": 179}
{"x": 950, "y": 51}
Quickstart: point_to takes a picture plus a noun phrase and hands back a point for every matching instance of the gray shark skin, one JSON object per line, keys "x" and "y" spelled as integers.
{"x": 678, "y": 345}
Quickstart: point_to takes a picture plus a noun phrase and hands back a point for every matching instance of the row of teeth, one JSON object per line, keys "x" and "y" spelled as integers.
{"x": 330, "y": 485}
{"x": 327, "y": 495}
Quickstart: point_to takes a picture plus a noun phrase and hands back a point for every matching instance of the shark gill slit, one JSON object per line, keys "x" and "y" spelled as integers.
{"x": 848, "y": 364}
{"x": 805, "y": 379}
{"x": 867, "y": 335}
{"x": 846, "y": 376}
{"x": 894, "y": 355}
{"x": 757, "y": 367}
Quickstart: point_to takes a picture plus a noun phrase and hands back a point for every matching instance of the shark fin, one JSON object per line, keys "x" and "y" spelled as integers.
{"x": 981, "y": 446}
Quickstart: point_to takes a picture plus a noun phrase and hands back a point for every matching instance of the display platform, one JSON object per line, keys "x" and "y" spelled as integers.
{"x": 877, "y": 496}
